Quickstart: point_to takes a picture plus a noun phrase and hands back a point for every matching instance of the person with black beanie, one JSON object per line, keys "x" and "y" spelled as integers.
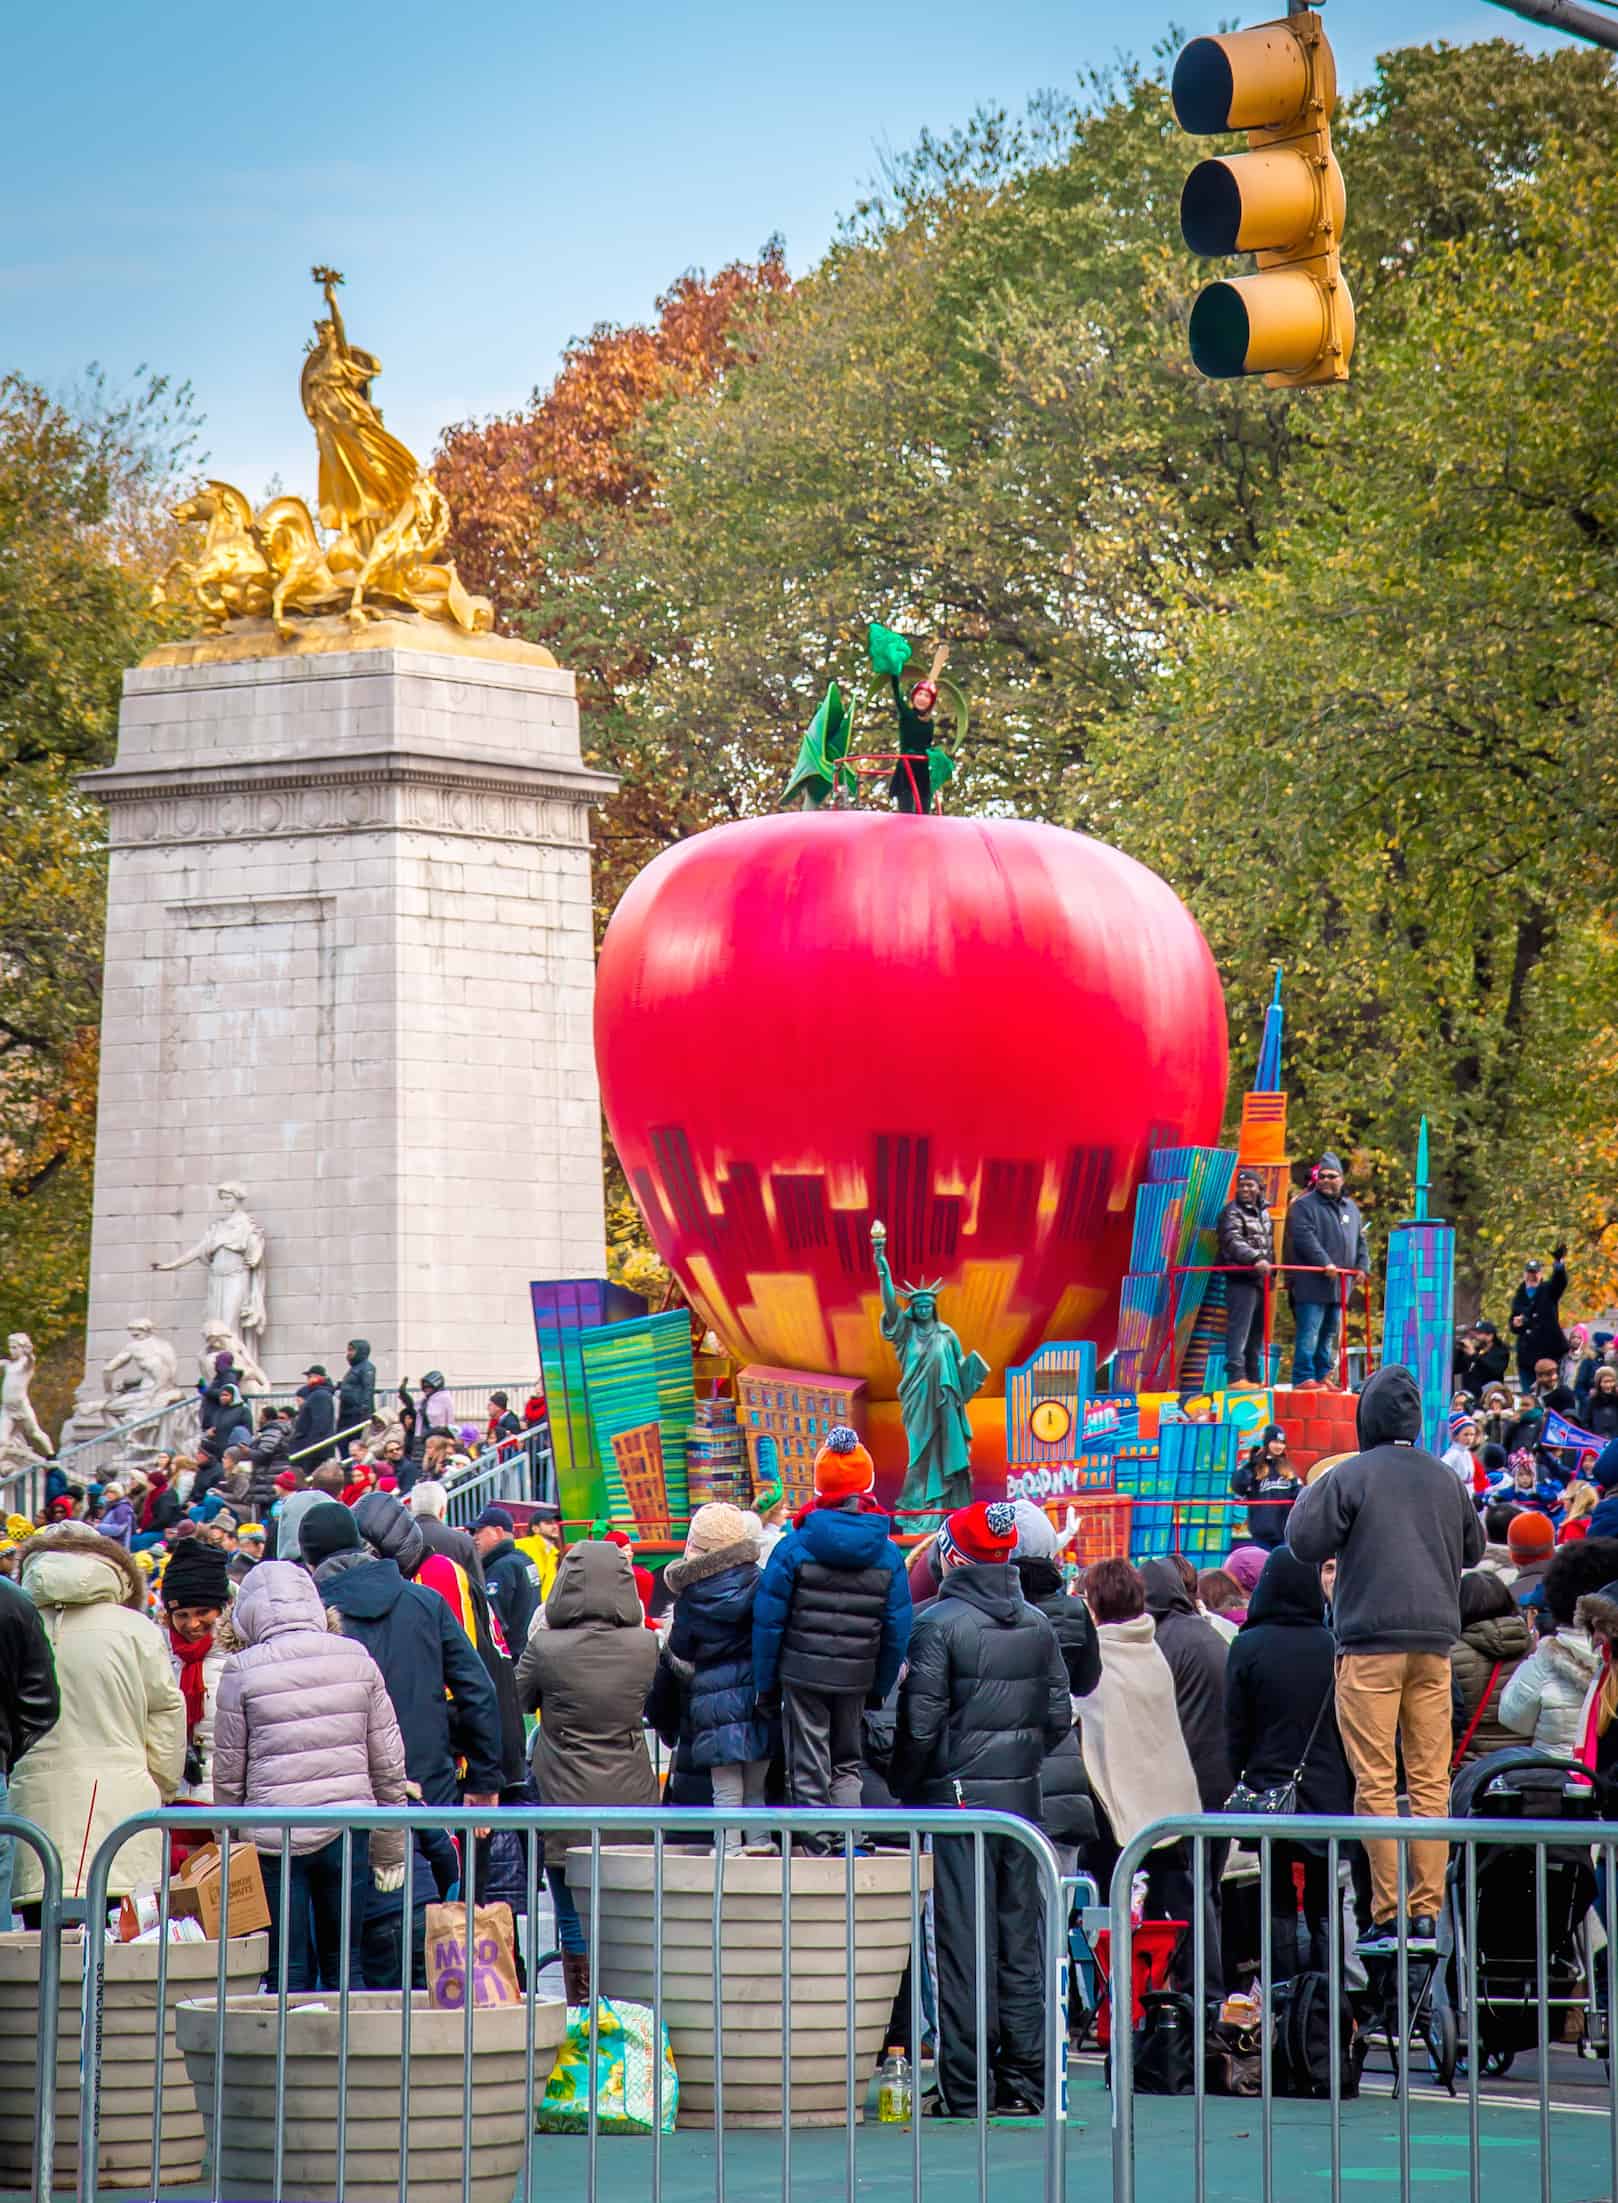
{"x": 195, "y": 1592}
{"x": 1269, "y": 1483}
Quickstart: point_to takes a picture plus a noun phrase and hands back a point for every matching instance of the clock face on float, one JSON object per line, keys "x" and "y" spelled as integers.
{"x": 1051, "y": 1421}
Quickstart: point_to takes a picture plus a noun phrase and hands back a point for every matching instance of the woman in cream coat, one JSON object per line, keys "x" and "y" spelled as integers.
{"x": 121, "y": 1739}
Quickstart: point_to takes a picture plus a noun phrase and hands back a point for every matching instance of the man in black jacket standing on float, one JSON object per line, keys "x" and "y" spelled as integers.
{"x": 1247, "y": 1256}
{"x": 30, "y": 1703}
{"x": 1324, "y": 1237}
{"x": 983, "y": 1702}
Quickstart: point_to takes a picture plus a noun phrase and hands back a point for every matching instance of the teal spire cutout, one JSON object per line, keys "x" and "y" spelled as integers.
{"x": 1267, "y": 1079}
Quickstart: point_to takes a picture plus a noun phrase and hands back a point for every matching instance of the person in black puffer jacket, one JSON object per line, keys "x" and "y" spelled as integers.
{"x": 983, "y": 1705}
{"x": 831, "y": 1620}
{"x": 315, "y": 1422}
{"x": 710, "y": 1647}
{"x": 1067, "y": 1810}
{"x": 1246, "y": 1248}
{"x": 509, "y": 1576}
{"x": 1278, "y": 1683}
{"x": 389, "y": 1528}
{"x": 267, "y": 1457}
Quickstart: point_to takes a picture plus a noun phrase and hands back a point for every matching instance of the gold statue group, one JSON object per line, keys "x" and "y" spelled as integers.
{"x": 386, "y": 516}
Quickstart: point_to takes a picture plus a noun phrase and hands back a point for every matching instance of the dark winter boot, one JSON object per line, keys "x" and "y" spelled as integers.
{"x": 576, "y": 1976}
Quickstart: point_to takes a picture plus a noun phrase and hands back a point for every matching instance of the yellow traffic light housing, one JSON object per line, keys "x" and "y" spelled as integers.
{"x": 1292, "y": 322}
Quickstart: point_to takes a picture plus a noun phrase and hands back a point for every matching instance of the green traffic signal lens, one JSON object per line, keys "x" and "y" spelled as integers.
{"x": 1203, "y": 88}
{"x": 1220, "y": 332}
{"x": 1211, "y": 209}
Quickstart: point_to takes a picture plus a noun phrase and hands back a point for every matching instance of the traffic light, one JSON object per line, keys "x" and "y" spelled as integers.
{"x": 1292, "y": 322}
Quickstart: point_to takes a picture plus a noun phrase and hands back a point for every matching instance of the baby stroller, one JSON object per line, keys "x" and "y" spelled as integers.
{"x": 1522, "y": 1784}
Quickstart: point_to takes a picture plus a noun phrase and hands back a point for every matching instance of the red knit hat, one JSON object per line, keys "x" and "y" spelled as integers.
{"x": 987, "y": 1531}
{"x": 843, "y": 1468}
{"x": 1530, "y": 1535}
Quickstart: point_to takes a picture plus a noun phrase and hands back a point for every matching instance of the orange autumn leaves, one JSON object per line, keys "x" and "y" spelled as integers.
{"x": 574, "y": 450}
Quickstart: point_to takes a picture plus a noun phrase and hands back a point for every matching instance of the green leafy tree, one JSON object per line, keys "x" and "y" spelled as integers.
{"x": 1394, "y": 737}
{"x": 82, "y": 535}
{"x": 1261, "y": 639}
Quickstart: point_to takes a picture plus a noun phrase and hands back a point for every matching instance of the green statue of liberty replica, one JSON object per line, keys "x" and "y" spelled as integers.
{"x": 935, "y": 1382}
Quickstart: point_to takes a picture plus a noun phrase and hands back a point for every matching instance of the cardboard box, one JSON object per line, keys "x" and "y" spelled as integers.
{"x": 194, "y": 1891}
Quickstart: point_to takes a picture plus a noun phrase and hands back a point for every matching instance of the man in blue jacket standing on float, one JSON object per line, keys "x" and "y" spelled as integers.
{"x": 830, "y": 1625}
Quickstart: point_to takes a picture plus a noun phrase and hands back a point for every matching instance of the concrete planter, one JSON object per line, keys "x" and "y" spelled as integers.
{"x": 500, "y": 2110}
{"x": 750, "y": 1955}
{"x": 129, "y": 2078}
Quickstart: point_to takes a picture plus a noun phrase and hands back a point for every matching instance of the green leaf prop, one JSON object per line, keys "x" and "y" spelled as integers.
{"x": 824, "y": 746}
{"x": 890, "y": 653}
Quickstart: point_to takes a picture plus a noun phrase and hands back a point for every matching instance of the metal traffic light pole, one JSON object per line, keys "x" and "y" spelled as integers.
{"x": 1571, "y": 16}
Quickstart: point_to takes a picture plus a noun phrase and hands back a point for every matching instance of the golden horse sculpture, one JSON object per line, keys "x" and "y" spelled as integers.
{"x": 388, "y": 519}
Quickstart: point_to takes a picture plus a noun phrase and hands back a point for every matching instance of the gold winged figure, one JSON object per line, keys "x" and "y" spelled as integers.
{"x": 386, "y": 519}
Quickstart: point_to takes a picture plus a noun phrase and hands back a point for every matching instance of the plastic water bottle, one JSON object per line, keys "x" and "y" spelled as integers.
{"x": 894, "y": 2095}
{"x": 1137, "y": 1899}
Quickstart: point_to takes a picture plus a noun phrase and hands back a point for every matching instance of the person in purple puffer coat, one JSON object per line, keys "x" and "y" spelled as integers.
{"x": 303, "y": 1717}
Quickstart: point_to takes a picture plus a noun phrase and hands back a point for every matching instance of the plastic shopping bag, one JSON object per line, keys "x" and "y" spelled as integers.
{"x": 624, "y": 2074}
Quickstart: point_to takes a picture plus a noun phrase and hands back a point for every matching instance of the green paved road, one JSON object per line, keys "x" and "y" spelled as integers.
{"x": 1509, "y": 2139}
{"x": 1581, "y": 2166}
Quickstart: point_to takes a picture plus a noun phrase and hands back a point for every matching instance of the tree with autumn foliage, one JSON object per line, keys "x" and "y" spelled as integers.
{"x": 572, "y": 451}
{"x": 532, "y": 492}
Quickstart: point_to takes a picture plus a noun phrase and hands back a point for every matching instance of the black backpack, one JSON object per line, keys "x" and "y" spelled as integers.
{"x": 1165, "y": 2045}
{"x": 1301, "y": 2053}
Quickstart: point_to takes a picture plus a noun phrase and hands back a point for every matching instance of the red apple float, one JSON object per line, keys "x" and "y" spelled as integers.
{"x": 974, "y": 1029}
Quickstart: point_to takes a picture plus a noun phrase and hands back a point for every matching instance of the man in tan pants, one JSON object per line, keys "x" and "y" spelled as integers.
{"x": 1403, "y": 1530}
{"x": 1381, "y": 1698}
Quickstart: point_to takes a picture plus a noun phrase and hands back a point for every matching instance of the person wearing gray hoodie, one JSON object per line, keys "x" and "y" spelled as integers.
{"x": 1403, "y": 1531}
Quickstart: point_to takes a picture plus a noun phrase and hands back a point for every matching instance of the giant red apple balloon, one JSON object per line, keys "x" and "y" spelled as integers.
{"x": 974, "y": 1029}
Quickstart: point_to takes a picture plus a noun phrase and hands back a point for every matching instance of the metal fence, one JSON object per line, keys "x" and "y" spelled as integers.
{"x": 1449, "y": 2010}
{"x": 776, "y": 1987}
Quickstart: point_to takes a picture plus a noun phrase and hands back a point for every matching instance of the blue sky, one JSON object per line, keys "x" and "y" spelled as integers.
{"x": 492, "y": 179}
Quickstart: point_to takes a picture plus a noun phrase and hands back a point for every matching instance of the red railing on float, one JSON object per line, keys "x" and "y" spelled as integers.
{"x": 1348, "y": 1282}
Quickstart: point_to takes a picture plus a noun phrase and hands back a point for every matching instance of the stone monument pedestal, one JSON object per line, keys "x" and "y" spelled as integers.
{"x": 350, "y": 968}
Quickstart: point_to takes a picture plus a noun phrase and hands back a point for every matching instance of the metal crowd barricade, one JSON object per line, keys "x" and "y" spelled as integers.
{"x": 1457, "y": 1948}
{"x": 49, "y": 1995}
{"x": 667, "y": 1833}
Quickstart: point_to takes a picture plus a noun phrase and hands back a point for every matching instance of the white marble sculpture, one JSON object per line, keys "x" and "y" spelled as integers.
{"x": 233, "y": 1249}
{"x": 217, "y": 1340}
{"x": 140, "y": 1376}
{"x": 23, "y": 1440}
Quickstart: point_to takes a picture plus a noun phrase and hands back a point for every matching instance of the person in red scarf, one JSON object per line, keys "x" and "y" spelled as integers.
{"x": 162, "y": 1507}
{"x": 195, "y": 1591}
{"x": 363, "y": 1479}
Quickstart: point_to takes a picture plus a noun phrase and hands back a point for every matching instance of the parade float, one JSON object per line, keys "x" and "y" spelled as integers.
{"x": 923, "y": 1114}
